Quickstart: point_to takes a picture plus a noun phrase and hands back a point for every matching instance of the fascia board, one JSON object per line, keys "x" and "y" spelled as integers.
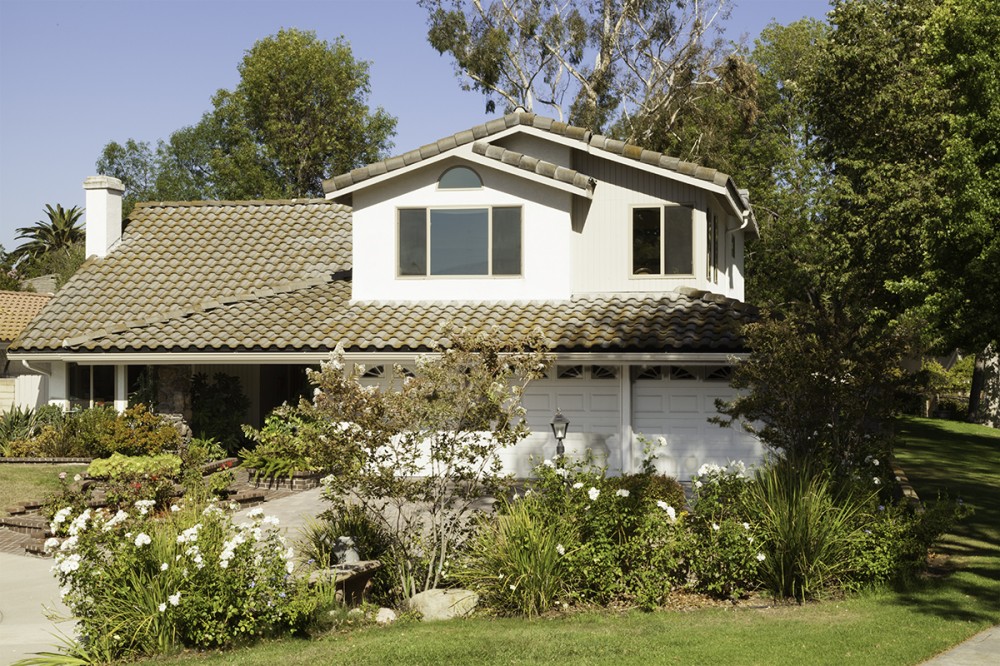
{"x": 264, "y": 358}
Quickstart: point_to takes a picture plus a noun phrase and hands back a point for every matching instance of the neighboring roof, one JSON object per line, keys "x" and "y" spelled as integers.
{"x": 17, "y": 309}
{"x": 498, "y": 125}
{"x": 177, "y": 259}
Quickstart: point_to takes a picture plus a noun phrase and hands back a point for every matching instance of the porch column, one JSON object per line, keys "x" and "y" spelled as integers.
{"x": 121, "y": 388}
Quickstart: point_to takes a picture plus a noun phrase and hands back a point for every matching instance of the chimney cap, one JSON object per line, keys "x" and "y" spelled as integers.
{"x": 103, "y": 183}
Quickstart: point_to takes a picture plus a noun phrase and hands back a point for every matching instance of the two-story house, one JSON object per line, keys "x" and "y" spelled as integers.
{"x": 629, "y": 260}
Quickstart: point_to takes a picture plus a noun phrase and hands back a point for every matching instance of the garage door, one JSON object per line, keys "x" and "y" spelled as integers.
{"x": 675, "y": 402}
{"x": 587, "y": 395}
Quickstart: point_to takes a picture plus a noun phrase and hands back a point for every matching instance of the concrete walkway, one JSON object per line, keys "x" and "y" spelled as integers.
{"x": 983, "y": 649}
{"x": 27, "y": 587}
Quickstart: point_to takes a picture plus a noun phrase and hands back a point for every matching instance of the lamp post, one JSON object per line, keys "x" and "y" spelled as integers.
{"x": 559, "y": 426}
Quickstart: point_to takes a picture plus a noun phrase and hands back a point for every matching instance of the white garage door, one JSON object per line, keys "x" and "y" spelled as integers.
{"x": 587, "y": 395}
{"x": 675, "y": 402}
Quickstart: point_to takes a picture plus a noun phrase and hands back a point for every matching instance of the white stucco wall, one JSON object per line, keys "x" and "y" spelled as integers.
{"x": 545, "y": 242}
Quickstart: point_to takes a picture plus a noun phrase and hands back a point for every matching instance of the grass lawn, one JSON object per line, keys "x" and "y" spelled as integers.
{"x": 903, "y": 626}
{"x": 22, "y": 483}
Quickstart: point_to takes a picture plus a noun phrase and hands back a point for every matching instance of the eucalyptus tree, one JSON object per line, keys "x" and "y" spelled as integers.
{"x": 593, "y": 63}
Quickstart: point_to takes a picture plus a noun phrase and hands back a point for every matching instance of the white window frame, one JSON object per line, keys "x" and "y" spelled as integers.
{"x": 663, "y": 241}
{"x": 428, "y": 275}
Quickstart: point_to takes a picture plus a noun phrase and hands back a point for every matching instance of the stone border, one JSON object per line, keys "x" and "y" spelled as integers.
{"x": 298, "y": 481}
{"x": 44, "y": 461}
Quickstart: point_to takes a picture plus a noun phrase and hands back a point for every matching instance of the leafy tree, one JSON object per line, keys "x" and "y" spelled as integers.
{"x": 651, "y": 58}
{"x": 434, "y": 441}
{"x": 298, "y": 115}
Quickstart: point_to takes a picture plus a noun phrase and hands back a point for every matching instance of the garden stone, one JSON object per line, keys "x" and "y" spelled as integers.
{"x": 385, "y": 616}
{"x": 444, "y": 604}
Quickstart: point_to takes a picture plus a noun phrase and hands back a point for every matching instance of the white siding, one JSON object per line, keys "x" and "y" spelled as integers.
{"x": 545, "y": 238}
{"x": 602, "y": 245}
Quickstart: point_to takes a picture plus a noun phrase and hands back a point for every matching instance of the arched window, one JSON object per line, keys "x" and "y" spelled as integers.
{"x": 459, "y": 178}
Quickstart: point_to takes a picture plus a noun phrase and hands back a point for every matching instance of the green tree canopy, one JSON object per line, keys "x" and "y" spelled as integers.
{"x": 60, "y": 231}
{"x": 298, "y": 115}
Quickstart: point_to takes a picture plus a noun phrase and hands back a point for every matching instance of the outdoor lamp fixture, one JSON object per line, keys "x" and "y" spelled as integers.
{"x": 559, "y": 426}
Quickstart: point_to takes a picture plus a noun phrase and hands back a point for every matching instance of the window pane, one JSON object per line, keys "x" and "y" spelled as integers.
{"x": 104, "y": 384}
{"x": 677, "y": 229}
{"x": 460, "y": 242}
{"x": 506, "y": 241}
{"x": 413, "y": 241}
{"x": 646, "y": 241}
{"x": 459, "y": 178}
{"x": 79, "y": 385}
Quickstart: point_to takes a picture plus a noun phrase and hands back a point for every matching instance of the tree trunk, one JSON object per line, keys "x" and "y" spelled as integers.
{"x": 984, "y": 398}
{"x": 976, "y": 390}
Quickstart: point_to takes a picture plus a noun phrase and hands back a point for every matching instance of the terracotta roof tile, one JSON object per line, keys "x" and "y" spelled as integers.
{"x": 17, "y": 309}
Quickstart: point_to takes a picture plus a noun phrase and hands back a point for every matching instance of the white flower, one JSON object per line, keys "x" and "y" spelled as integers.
{"x": 621, "y": 492}
{"x": 271, "y": 520}
{"x": 593, "y": 494}
{"x": 877, "y": 481}
{"x": 77, "y": 478}
{"x": 174, "y": 599}
{"x": 162, "y": 607}
{"x": 70, "y": 564}
{"x": 62, "y": 515}
{"x": 223, "y": 564}
{"x": 145, "y": 505}
{"x": 715, "y": 526}
{"x": 51, "y": 543}
{"x": 563, "y": 472}
{"x": 760, "y": 557}
{"x": 671, "y": 513}
{"x": 548, "y": 463}
{"x": 661, "y": 441}
{"x": 560, "y": 549}
{"x": 174, "y": 508}
{"x": 698, "y": 484}
{"x": 875, "y": 462}
{"x": 164, "y": 566}
{"x": 513, "y": 587}
{"x": 577, "y": 485}
{"x": 69, "y": 544}
{"x": 746, "y": 526}
{"x": 114, "y": 520}
{"x": 256, "y": 512}
{"x": 142, "y": 539}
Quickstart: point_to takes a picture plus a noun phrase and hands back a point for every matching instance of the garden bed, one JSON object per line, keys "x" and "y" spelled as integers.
{"x": 298, "y": 481}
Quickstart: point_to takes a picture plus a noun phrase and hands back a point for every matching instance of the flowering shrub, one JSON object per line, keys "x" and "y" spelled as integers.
{"x": 581, "y": 536}
{"x": 140, "y": 584}
{"x": 725, "y": 549}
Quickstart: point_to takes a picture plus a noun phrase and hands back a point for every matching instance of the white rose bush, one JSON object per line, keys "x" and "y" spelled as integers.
{"x": 139, "y": 583}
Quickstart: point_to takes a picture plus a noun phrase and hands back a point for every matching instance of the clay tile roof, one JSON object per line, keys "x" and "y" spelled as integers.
{"x": 534, "y": 165}
{"x": 17, "y": 309}
{"x": 479, "y": 133}
{"x": 178, "y": 260}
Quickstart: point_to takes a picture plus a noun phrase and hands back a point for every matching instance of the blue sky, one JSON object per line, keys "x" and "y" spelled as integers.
{"x": 76, "y": 74}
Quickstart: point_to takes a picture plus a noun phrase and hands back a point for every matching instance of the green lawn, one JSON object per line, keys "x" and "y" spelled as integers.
{"x": 890, "y": 627}
{"x": 27, "y": 482}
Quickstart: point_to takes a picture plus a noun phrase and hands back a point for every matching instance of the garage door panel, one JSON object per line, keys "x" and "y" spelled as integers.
{"x": 685, "y": 404}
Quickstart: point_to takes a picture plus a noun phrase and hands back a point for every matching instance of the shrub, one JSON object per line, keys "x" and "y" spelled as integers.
{"x": 809, "y": 529}
{"x": 20, "y": 424}
{"x": 285, "y": 445}
{"x": 139, "y": 584}
{"x": 517, "y": 560}
{"x": 121, "y": 467}
{"x": 99, "y": 432}
{"x": 724, "y": 549}
{"x": 198, "y": 452}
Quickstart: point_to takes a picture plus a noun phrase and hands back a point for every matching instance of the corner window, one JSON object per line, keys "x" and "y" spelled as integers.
{"x": 459, "y": 241}
{"x": 460, "y": 178}
{"x": 662, "y": 240}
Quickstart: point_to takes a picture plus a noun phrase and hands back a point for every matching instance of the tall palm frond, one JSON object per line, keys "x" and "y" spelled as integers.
{"x": 61, "y": 231}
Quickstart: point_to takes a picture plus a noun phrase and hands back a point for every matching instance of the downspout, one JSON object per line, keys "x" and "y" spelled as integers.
{"x": 36, "y": 370}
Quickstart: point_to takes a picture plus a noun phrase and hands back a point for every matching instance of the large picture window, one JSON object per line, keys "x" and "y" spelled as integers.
{"x": 460, "y": 241}
{"x": 662, "y": 240}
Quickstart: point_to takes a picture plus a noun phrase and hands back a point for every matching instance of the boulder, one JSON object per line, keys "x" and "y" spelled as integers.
{"x": 385, "y": 616}
{"x": 443, "y": 604}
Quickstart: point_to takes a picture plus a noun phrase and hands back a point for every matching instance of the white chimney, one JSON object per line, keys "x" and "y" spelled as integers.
{"x": 104, "y": 213}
